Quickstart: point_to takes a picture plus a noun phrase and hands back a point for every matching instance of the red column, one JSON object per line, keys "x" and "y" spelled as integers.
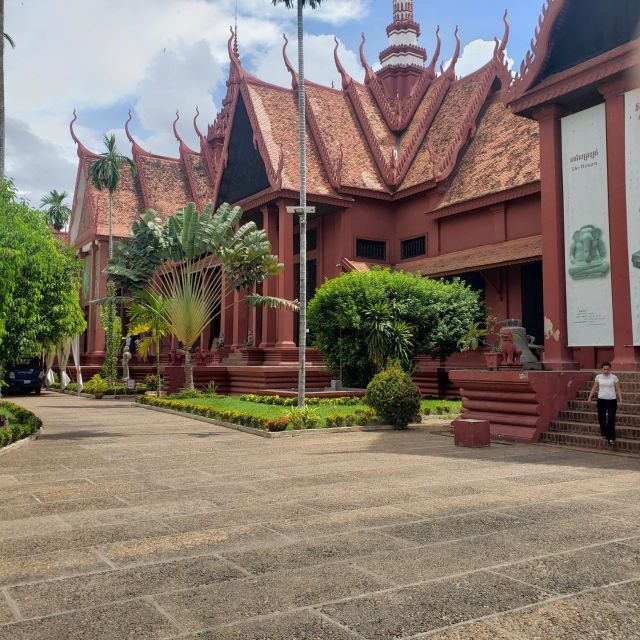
{"x": 240, "y": 319}
{"x": 557, "y": 354}
{"x": 270, "y": 287}
{"x": 99, "y": 345}
{"x": 285, "y": 281}
{"x": 226, "y": 313}
{"x": 624, "y": 354}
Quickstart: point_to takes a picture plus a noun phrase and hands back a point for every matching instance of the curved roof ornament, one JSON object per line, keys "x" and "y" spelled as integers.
{"x": 82, "y": 150}
{"x": 363, "y": 59}
{"x": 183, "y": 145}
{"x": 346, "y": 78}
{"x": 287, "y": 63}
{"x": 195, "y": 124}
{"x": 136, "y": 148}
{"x": 507, "y": 31}
{"x": 233, "y": 54}
{"x": 451, "y": 71}
{"x": 436, "y": 53}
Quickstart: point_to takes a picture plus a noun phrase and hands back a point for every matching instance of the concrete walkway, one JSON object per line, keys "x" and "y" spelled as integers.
{"x": 124, "y": 523}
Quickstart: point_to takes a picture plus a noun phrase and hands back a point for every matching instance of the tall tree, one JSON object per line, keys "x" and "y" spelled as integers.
{"x": 7, "y": 37}
{"x": 39, "y": 282}
{"x": 106, "y": 173}
{"x": 302, "y": 336}
{"x": 56, "y": 212}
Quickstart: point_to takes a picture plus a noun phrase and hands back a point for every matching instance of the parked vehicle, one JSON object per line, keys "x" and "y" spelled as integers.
{"x": 25, "y": 376}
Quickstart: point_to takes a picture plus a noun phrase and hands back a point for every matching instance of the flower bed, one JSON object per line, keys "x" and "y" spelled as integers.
{"x": 22, "y": 423}
{"x": 267, "y": 418}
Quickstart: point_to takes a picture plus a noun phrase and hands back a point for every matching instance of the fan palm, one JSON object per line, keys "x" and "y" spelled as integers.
{"x": 302, "y": 336}
{"x": 105, "y": 173}
{"x": 147, "y": 315}
{"x": 57, "y": 213}
{"x": 170, "y": 260}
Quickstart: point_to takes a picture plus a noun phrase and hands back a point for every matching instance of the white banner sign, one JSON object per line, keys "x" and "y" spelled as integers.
{"x": 586, "y": 229}
{"x": 632, "y": 159}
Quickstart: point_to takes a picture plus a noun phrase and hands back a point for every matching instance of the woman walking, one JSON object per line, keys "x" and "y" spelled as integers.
{"x": 607, "y": 386}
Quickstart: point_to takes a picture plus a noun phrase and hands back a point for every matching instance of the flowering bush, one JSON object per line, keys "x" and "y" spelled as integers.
{"x": 305, "y": 418}
{"x": 23, "y": 424}
{"x": 279, "y": 401}
{"x": 394, "y": 396}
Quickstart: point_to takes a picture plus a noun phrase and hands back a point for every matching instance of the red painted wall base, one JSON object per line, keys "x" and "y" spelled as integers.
{"x": 519, "y": 405}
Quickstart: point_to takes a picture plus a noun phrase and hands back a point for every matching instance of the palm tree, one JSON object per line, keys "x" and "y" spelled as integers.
{"x": 302, "y": 336}
{"x": 105, "y": 173}
{"x": 7, "y": 37}
{"x": 147, "y": 315}
{"x": 57, "y": 213}
{"x": 168, "y": 260}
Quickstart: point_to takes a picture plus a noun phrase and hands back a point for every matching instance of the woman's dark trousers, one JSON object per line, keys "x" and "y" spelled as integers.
{"x": 607, "y": 418}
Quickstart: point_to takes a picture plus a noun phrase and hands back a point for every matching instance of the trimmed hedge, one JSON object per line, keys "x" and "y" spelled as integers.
{"x": 279, "y": 401}
{"x": 24, "y": 424}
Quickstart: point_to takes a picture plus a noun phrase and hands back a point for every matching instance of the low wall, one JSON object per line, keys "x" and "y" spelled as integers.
{"x": 519, "y": 405}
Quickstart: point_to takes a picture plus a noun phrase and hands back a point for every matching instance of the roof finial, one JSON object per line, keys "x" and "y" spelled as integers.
{"x": 73, "y": 133}
{"x": 235, "y": 37}
{"x": 403, "y": 10}
{"x": 175, "y": 129}
{"x": 195, "y": 124}
{"x": 346, "y": 78}
{"x": 451, "y": 71}
{"x": 126, "y": 129}
{"x": 287, "y": 63}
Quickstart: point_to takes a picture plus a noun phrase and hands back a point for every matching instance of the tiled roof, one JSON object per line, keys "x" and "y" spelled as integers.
{"x": 342, "y": 135}
{"x": 276, "y": 112}
{"x": 165, "y": 184}
{"x": 202, "y": 181}
{"x": 484, "y": 257}
{"x": 504, "y": 153}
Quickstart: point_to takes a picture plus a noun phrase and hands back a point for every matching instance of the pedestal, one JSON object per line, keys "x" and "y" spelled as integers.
{"x": 468, "y": 432}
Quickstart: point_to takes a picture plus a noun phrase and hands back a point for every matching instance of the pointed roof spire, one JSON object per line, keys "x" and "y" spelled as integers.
{"x": 82, "y": 150}
{"x": 403, "y": 34}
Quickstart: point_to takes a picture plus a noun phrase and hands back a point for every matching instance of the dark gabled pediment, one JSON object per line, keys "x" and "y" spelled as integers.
{"x": 587, "y": 29}
{"x": 245, "y": 173}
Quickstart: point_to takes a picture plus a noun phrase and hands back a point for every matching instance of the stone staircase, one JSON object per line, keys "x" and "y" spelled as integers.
{"x": 577, "y": 425}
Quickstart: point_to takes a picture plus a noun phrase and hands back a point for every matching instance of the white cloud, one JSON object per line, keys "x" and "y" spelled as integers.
{"x": 474, "y": 55}
{"x": 320, "y": 66}
{"x": 155, "y": 56}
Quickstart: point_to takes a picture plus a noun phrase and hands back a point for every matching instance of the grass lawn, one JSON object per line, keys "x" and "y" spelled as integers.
{"x": 230, "y": 403}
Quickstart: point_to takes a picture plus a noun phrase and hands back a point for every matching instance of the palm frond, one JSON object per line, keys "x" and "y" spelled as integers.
{"x": 272, "y": 302}
{"x": 9, "y": 39}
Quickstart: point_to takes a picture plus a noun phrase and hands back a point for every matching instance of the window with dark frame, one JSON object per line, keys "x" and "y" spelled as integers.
{"x": 413, "y": 248}
{"x": 371, "y": 249}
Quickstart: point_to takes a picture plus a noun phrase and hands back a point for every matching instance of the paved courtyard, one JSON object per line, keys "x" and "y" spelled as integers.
{"x": 124, "y": 523}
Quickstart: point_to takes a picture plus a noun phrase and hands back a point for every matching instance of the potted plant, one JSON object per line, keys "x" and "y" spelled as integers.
{"x": 488, "y": 336}
{"x": 98, "y": 386}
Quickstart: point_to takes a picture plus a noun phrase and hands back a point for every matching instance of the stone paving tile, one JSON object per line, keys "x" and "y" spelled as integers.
{"x": 315, "y": 552}
{"x": 123, "y": 515}
{"x": 477, "y": 631}
{"x": 453, "y": 527}
{"x": 561, "y": 509}
{"x": 270, "y": 515}
{"x": 441, "y": 507}
{"x": 79, "y": 592}
{"x": 6, "y": 615}
{"x": 37, "y": 509}
{"x": 49, "y": 565}
{"x": 191, "y": 543}
{"x": 26, "y": 526}
{"x": 314, "y": 526}
{"x": 73, "y": 539}
{"x": 137, "y": 620}
{"x": 612, "y": 613}
{"x": 343, "y": 501}
{"x": 427, "y": 607}
{"x": 98, "y": 487}
{"x": 419, "y": 564}
{"x": 578, "y": 570}
{"x": 199, "y": 609}
{"x": 8, "y": 481}
{"x": 289, "y": 626}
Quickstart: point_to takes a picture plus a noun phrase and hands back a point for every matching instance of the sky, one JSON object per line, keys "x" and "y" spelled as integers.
{"x": 153, "y": 57}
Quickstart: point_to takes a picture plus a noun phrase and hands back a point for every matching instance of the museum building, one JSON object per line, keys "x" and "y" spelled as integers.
{"x": 527, "y": 188}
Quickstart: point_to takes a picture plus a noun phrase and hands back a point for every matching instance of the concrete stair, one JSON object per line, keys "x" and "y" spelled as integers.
{"x": 577, "y": 425}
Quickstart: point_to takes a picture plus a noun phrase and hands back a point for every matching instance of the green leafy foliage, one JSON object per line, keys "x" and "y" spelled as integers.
{"x": 341, "y": 315}
{"x": 394, "y": 396}
{"x": 96, "y": 385}
{"x": 56, "y": 212}
{"x": 303, "y": 418}
{"x": 39, "y": 282}
{"x": 22, "y": 423}
{"x": 279, "y": 401}
{"x": 112, "y": 326}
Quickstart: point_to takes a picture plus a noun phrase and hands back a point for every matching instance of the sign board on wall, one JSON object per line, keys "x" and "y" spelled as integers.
{"x": 586, "y": 229}
{"x": 632, "y": 159}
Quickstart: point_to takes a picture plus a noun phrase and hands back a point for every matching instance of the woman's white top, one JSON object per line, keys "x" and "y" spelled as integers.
{"x": 607, "y": 386}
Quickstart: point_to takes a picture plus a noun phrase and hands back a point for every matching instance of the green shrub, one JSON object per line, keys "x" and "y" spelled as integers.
{"x": 342, "y": 401}
{"x": 394, "y": 396}
{"x": 96, "y": 385}
{"x": 211, "y": 391}
{"x": 186, "y": 394}
{"x": 442, "y": 409}
{"x": 72, "y": 386}
{"x": 438, "y": 312}
{"x": 23, "y": 424}
{"x": 151, "y": 382}
{"x": 305, "y": 418}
